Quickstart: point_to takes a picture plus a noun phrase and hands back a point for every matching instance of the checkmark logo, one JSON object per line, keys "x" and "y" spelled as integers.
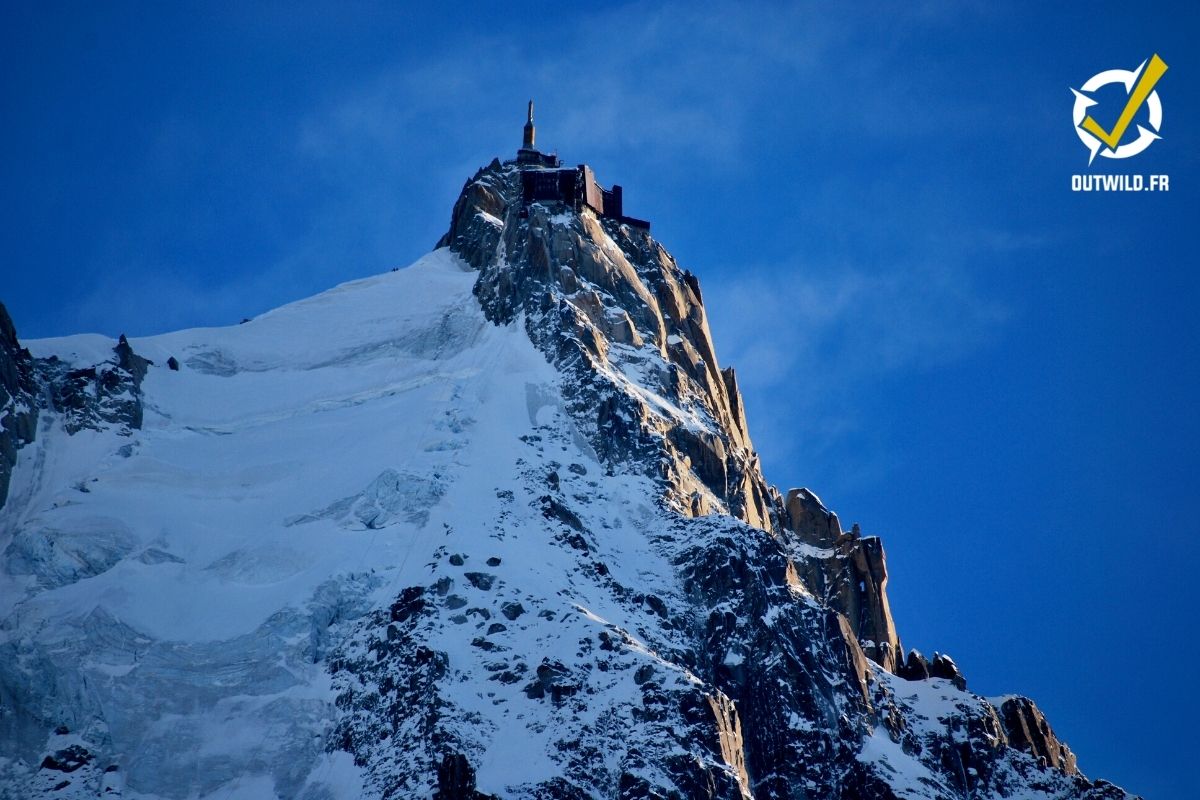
{"x": 1145, "y": 85}
{"x": 1140, "y": 85}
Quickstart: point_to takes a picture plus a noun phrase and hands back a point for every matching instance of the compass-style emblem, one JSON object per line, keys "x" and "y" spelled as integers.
{"x": 1139, "y": 85}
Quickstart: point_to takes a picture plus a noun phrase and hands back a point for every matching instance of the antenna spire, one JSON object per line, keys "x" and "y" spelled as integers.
{"x": 527, "y": 143}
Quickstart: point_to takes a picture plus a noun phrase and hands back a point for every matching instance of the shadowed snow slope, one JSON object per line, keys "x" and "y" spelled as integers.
{"x": 491, "y": 525}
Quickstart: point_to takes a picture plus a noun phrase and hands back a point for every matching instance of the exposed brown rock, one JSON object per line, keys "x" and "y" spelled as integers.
{"x": 846, "y": 571}
{"x": 616, "y": 296}
{"x": 808, "y": 518}
{"x": 1027, "y": 729}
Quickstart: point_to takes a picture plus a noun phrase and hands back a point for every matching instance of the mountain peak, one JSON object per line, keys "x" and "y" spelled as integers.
{"x": 606, "y": 302}
{"x": 491, "y": 526}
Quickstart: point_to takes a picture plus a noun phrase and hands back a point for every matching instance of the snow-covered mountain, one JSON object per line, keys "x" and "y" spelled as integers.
{"x": 488, "y": 526}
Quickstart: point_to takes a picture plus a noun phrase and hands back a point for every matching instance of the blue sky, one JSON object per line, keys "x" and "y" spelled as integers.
{"x": 932, "y": 331}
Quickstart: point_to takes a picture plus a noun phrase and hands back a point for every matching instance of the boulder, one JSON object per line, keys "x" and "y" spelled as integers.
{"x": 913, "y": 668}
{"x": 943, "y": 666}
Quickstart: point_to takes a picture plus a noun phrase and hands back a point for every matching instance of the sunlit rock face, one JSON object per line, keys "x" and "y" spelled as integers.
{"x": 491, "y": 526}
{"x": 1028, "y": 729}
{"x": 846, "y": 571}
{"x": 609, "y": 307}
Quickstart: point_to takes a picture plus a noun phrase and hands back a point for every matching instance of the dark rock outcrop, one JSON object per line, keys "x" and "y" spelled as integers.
{"x": 944, "y": 667}
{"x": 913, "y": 668}
{"x": 68, "y": 759}
{"x": 456, "y": 780}
{"x": 87, "y": 397}
{"x": 70, "y": 769}
{"x": 18, "y": 400}
{"x": 130, "y": 361}
{"x": 99, "y": 396}
{"x": 916, "y": 667}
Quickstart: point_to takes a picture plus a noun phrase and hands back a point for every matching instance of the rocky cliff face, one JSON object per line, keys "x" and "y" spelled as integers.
{"x": 1027, "y": 728}
{"x": 847, "y": 572}
{"x": 611, "y": 308}
{"x": 604, "y": 301}
{"x": 94, "y": 396}
{"x": 489, "y": 527}
{"x": 98, "y": 396}
{"x": 18, "y": 400}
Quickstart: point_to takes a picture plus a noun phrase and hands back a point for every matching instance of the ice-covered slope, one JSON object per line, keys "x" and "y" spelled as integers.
{"x": 173, "y": 591}
{"x": 488, "y": 525}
